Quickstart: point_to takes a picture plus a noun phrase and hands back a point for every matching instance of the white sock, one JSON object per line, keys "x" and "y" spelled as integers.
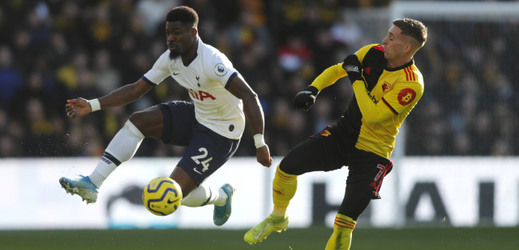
{"x": 203, "y": 195}
{"x": 122, "y": 148}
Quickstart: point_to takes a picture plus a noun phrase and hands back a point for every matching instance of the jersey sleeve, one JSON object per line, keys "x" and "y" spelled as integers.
{"x": 220, "y": 69}
{"x": 329, "y": 76}
{"x": 361, "y": 53}
{"x": 159, "y": 71}
{"x": 403, "y": 96}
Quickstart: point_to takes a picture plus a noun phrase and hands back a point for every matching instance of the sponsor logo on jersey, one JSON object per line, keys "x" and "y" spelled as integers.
{"x": 406, "y": 96}
{"x": 372, "y": 97}
{"x": 220, "y": 69}
{"x": 200, "y": 95}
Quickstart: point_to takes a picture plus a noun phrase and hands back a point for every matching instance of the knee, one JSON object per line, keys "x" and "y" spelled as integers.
{"x": 289, "y": 167}
{"x": 137, "y": 119}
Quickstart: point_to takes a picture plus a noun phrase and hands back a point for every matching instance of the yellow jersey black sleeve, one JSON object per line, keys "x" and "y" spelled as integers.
{"x": 381, "y": 103}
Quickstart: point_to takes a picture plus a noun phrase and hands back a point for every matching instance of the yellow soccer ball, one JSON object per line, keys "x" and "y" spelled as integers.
{"x": 162, "y": 196}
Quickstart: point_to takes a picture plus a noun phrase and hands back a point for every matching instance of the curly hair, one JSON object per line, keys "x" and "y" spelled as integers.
{"x": 183, "y": 14}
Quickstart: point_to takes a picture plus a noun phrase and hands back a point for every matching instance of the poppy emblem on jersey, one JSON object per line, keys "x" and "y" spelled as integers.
{"x": 386, "y": 87}
{"x": 367, "y": 70}
{"x": 220, "y": 69}
{"x": 406, "y": 96}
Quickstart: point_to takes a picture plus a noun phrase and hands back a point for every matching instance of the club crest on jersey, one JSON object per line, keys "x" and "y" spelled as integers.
{"x": 406, "y": 96}
{"x": 386, "y": 87}
{"x": 325, "y": 133}
{"x": 220, "y": 69}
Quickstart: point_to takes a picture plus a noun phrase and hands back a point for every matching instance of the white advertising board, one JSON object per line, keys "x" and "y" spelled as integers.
{"x": 458, "y": 191}
{"x": 33, "y": 199}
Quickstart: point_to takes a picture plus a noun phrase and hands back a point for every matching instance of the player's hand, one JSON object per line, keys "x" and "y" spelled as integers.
{"x": 263, "y": 156}
{"x": 306, "y": 98}
{"x": 77, "y": 107}
{"x": 353, "y": 67}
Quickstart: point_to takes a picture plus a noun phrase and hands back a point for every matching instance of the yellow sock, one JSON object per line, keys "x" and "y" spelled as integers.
{"x": 284, "y": 188}
{"x": 342, "y": 232}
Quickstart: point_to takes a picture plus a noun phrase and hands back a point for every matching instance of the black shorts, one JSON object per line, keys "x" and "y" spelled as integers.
{"x": 330, "y": 150}
{"x": 206, "y": 150}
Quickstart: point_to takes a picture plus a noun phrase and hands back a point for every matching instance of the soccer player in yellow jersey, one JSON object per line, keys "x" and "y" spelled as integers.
{"x": 387, "y": 86}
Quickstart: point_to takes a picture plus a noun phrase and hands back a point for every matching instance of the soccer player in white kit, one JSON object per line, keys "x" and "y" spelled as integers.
{"x": 211, "y": 125}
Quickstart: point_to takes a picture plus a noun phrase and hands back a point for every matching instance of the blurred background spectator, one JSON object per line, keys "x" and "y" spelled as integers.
{"x": 53, "y": 50}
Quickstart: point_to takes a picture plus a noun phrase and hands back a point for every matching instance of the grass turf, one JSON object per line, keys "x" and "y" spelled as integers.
{"x": 292, "y": 239}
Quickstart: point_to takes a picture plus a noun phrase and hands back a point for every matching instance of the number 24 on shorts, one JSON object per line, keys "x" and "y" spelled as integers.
{"x": 198, "y": 160}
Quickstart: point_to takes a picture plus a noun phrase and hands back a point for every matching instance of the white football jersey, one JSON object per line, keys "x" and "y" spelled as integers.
{"x": 205, "y": 78}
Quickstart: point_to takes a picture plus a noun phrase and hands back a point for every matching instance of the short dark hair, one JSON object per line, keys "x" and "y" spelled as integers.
{"x": 183, "y": 14}
{"x": 412, "y": 28}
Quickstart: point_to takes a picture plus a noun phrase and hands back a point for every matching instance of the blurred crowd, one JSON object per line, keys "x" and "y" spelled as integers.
{"x": 55, "y": 50}
{"x": 470, "y": 106}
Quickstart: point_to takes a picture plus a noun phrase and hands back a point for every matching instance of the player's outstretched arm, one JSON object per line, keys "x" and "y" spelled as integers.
{"x": 251, "y": 105}
{"x": 119, "y": 97}
{"x": 263, "y": 155}
{"x": 305, "y": 99}
{"x": 77, "y": 107}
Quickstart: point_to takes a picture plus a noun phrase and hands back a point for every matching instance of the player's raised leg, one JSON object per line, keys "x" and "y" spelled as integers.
{"x": 221, "y": 198}
{"x": 359, "y": 193}
{"x": 310, "y": 155}
{"x": 81, "y": 186}
{"x": 283, "y": 190}
{"x": 201, "y": 195}
{"x": 271, "y": 224}
{"x": 222, "y": 212}
{"x": 121, "y": 149}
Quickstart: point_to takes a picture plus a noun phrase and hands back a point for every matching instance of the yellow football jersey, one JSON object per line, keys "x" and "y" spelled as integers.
{"x": 381, "y": 104}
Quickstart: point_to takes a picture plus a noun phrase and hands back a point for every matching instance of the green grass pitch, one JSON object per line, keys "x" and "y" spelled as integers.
{"x": 293, "y": 239}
